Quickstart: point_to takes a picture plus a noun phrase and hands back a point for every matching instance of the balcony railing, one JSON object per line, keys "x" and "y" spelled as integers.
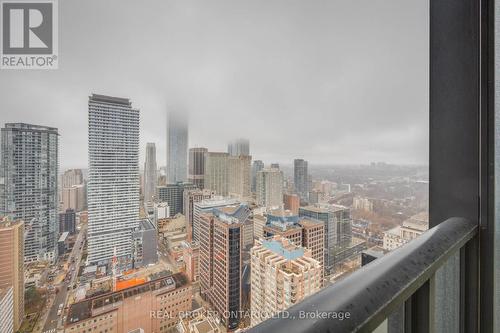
{"x": 403, "y": 280}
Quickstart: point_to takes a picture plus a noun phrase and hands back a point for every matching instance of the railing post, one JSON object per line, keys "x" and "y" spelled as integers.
{"x": 469, "y": 288}
{"x": 419, "y": 310}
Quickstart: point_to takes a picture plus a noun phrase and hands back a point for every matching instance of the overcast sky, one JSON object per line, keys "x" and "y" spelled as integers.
{"x": 333, "y": 81}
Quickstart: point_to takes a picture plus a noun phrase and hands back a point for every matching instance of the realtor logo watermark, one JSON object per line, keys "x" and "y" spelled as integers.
{"x": 28, "y": 35}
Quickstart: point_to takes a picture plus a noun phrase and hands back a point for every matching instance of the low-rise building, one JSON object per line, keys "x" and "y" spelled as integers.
{"x": 145, "y": 250}
{"x": 198, "y": 321}
{"x": 410, "y": 229}
{"x": 150, "y": 307}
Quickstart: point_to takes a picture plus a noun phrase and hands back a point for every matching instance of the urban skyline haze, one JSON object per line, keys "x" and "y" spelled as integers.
{"x": 331, "y": 82}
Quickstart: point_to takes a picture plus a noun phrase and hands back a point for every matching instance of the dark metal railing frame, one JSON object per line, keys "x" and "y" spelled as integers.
{"x": 369, "y": 295}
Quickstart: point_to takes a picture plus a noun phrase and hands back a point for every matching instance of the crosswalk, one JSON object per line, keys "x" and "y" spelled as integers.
{"x": 52, "y": 330}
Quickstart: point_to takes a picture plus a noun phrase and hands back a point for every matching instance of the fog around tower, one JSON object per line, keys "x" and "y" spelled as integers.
{"x": 327, "y": 81}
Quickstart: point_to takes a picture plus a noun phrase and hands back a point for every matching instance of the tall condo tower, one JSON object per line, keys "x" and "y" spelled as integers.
{"x": 150, "y": 172}
{"x": 300, "y": 177}
{"x": 239, "y": 147}
{"x": 29, "y": 167}
{"x": 197, "y": 166}
{"x": 113, "y": 184}
{"x": 177, "y": 146}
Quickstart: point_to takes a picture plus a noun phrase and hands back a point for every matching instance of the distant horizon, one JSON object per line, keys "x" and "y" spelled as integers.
{"x": 287, "y": 165}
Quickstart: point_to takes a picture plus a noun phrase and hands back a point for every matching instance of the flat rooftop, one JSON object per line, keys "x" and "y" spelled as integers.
{"x": 96, "y": 98}
{"x": 308, "y": 222}
{"x": 284, "y": 248}
{"x": 83, "y": 310}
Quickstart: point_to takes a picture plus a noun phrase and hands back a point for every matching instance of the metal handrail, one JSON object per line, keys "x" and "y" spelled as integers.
{"x": 369, "y": 295}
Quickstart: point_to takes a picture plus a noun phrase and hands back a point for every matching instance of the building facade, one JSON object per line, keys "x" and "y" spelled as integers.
{"x": 7, "y": 310}
{"x": 208, "y": 205}
{"x": 145, "y": 250}
{"x": 239, "y": 176}
{"x": 150, "y": 172}
{"x": 12, "y": 265}
{"x": 282, "y": 274}
{"x": 173, "y": 195}
{"x": 74, "y": 197}
{"x": 257, "y": 166}
{"x": 150, "y": 307}
{"x": 29, "y": 168}
{"x": 190, "y": 198}
{"x": 72, "y": 177}
{"x": 301, "y": 178}
{"x": 338, "y": 229}
{"x": 269, "y": 191}
{"x": 197, "y": 166}
{"x": 291, "y": 202}
{"x": 410, "y": 229}
{"x": 216, "y": 172}
{"x": 113, "y": 184}
{"x": 191, "y": 258}
{"x": 67, "y": 221}
{"x": 239, "y": 147}
{"x": 301, "y": 231}
{"x": 177, "y": 146}
{"x": 221, "y": 265}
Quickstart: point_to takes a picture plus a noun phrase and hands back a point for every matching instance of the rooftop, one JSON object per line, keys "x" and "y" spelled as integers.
{"x": 31, "y": 127}
{"x": 83, "y": 310}
{"x": 284, "y": 248}
{"x": 308, "y": 222}
{"x": 96, "y": 98}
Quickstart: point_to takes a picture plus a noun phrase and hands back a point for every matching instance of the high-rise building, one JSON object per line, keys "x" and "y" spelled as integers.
{"x": 221, "y": 264}
{"x": 217, "y": 203}
{"x": 173, "y": 195}
{"x": 67, "y": 221}
{"x": 275, "y": 165}
{"x": 73, "y": 197}
{"x": 177, "y": 146}
{"x": 300, "y": 178}
{"x": 256, "y": 167}
{"x": 113, "y": 184}
{"x": 153, "y": 306}
{"x": 216, "y": 172}
{"x": 190, "y": 198}
{"x": 282, "y": 274}
{"x": 7, "y": 310}
{"x": 269, "y": 188}
{"x": 291, "y": 202}
{"x": 305, "y": 232}
{"x": 239, "y": 176}
{"x": 313, "y": 238}
{"x": 150, "y": 176}
{"x": 12, "y": 266}
{"x": 29, "y": 168}
{"x": 197, "y": 166}
{"x": 338, "y": 232}
{"x": 239, "y": 147}
{"x": 72, "y": 177}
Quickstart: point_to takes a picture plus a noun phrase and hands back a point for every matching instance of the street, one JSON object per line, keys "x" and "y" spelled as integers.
{"x": 53, "y": 320}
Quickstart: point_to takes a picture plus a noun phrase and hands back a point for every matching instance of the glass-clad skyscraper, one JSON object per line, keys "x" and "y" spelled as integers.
{"x": 29, "y": 166}
{"x": 177, "y": 147}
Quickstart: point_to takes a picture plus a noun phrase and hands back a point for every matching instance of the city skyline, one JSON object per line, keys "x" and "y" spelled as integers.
{"x": 211, "y": 60}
